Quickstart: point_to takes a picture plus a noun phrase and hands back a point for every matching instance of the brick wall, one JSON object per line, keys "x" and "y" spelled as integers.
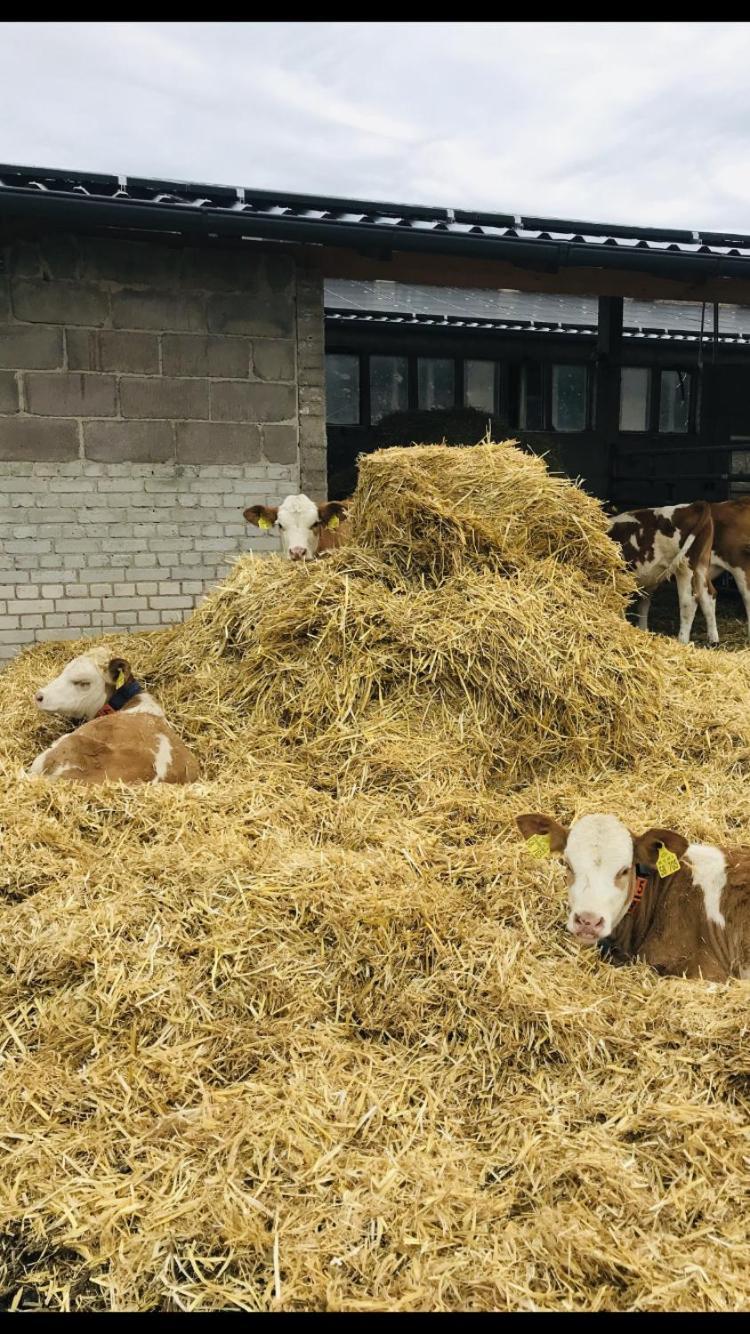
{"x": 146, "y": 395}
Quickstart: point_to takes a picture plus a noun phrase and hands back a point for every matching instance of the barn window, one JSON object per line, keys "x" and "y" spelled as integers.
{"x": 634, "y": 394}
{"x": 389, "y": 386}
{"x": 436, "y": 382}
{"x": 342, "y": 389}
{"x": 532, "y": 398}
{"x": 674, "y": 402}
{"x": 569, "y": 398}
{"x": 480, "y": 385}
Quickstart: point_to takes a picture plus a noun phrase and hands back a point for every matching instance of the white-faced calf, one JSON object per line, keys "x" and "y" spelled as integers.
{"x": 682, "y": 908}
{"x": 124, "y": 734}
{"x": 306, "y": 530}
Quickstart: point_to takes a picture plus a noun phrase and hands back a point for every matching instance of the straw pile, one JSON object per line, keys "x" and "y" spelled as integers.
{"x": 312, "y": 1036}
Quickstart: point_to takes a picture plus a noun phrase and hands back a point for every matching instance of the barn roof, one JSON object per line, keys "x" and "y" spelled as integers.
{"x": 85, "y": 198}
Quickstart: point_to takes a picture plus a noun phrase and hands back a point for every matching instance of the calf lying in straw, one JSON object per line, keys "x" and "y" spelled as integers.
{"x": 125, "y": 735}
{"x": 306, "y": 529}
{"x": 682, "y": 908}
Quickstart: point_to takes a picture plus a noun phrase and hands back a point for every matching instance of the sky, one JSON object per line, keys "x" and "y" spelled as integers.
{"x": 646, "y": 124}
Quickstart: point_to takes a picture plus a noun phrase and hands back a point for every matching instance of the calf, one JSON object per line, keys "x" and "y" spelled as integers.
{"x": 731, "y": 545}
{"x": 306, "y": 529}
{"x": 682, "y": 908}
{"x": 125, "y": 735}
{"x": 673, "y": 540}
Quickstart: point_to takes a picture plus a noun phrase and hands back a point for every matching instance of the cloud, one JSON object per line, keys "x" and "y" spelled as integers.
{"x": 642, "y": 123}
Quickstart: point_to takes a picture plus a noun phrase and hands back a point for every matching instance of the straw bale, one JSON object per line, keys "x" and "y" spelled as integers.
{"x": 310, "y": 1035}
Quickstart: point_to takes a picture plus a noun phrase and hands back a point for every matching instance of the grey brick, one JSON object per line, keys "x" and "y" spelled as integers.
{"x": 8, "y": 392}
{"x": 157, "y": 310}
{"x": 65, "y": 394}
{"x": 221, "y": 442}
{"x": 34, "y": 438}
{"x": 164, "y": 602}
{"x": 215, "y": 270}
{"x": 23, "y": 259}
{"x": 20, "y": 636}
{"x": 280, "y": 444}
{"x": 112, "y": 350}
{"x": 30, "y": 348}
{"x": 263, "y": 314}
{"x": 161, "y": 397}
{"x": 312, "y": 433}
{"x": 273, "y": 360}
{"x": 58, "y": 256}
{"x": 127, "y": 262}
{"x": 208, "y": 354}
{"x": 235, "y": 400}
{"x": 137, "y": 441}
{"x": 59, "y": 302}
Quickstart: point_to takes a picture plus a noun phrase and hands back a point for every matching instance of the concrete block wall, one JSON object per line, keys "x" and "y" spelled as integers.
{"x": 147, "y": 394}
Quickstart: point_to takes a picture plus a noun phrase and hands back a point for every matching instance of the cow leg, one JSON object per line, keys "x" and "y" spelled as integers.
{"x": 740, "y": 578}
{"x": 688, "y": 602}
{"x": 644, "y": 606}
{"x": 40, "y": 763}
{"x": 706, "y": 594}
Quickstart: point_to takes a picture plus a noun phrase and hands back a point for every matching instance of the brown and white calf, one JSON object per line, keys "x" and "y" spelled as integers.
{"x": 674, "y": 540}
{"x": 306, "y": 529}
{"x": 731, "y": 545}
{"x": 683, "y": 908}
{"x": 124, "y": 734}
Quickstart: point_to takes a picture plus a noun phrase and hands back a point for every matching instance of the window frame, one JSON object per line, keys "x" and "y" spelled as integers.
{"x": 653, "y": 403}
{"x": 360, "y": 359}
{"x": 367, "y": 358}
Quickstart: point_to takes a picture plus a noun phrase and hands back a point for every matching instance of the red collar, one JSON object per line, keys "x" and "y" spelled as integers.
{"x": 642, "y": 878}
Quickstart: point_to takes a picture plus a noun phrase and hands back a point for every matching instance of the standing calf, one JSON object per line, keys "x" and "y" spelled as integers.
{"x": 682, "y": 908}
{"x": 674, "y": 540}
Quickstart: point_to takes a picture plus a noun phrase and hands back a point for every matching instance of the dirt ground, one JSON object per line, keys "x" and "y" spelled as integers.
{"x": 665, "y": 618}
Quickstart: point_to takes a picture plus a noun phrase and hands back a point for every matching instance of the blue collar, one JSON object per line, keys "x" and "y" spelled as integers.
{"x": 120, "y": 697}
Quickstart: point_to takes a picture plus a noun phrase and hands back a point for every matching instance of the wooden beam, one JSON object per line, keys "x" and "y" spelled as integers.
{"x": 449, "y": 271}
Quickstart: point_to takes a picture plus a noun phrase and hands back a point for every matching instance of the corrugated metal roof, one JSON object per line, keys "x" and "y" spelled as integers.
{"x": 533, "y": 312}
{"x": 327, "y": 220}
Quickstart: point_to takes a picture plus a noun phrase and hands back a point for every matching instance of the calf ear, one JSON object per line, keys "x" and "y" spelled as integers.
{"x": 647, "y": 848}
{"x": 262, "y": 516}
{"x": 332, "y": 513}
{"x": 544, "y": 826}
{"x": 119, "y": 672}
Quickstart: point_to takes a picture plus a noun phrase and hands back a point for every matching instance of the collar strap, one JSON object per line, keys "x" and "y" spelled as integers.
{"x": 642, "y": 877}
{"x": 120, "y": 697}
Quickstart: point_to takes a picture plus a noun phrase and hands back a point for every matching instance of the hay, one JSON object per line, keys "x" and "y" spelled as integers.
{"x": 312, "y": 1036}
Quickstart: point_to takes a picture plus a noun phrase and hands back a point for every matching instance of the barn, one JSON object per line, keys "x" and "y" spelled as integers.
{"x": 165, "y": 349}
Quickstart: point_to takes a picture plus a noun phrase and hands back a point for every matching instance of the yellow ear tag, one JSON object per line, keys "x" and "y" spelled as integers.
{"x": 538, "y": 846}
{"x": 263, "y": 522}
{"x": 666, "y": 862}
{"x": 333, "y": 522}
{"x": 120, "y": 680}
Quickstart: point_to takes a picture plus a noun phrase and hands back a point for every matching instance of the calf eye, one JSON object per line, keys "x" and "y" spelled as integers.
{"x": 624, "y": 871}
{"x": 82, "y": 685}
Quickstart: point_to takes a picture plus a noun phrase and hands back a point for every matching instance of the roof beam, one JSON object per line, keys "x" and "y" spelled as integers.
{"x": 459, "y": 271}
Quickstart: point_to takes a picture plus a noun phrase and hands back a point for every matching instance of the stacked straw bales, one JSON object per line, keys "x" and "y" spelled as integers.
{"x": 311, "y": 1035}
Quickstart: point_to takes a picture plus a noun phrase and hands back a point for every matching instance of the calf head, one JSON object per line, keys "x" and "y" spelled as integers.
{"x": 85, "y": 685}
{"x": 601, "y": 856}
{"x": 298, "y": 522}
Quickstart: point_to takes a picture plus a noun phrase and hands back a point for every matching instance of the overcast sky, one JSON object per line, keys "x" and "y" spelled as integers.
{"x": 643, "y": 123}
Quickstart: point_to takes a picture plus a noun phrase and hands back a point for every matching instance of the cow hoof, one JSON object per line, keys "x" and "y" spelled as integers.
{"x": 713, "y": 643}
